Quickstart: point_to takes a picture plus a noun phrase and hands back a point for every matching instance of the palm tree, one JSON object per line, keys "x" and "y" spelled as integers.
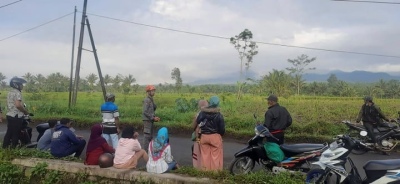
{"x": 91, "y": 79}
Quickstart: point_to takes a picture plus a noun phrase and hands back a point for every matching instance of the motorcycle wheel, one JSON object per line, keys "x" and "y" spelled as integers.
{"x": 241, "y": 165}
{"x": 314, "y": 175}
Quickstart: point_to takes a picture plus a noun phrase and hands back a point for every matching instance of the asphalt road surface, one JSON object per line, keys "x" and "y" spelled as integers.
{"x": 181, "y": 149}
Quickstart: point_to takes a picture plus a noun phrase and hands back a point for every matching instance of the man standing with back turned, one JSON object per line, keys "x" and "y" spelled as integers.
{"x": 110, "y": 120}
{"x": 277, "y": 119}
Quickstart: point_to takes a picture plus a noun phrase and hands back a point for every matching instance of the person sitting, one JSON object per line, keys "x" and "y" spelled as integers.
{"x": 64, "y": 142}
{"x": 129, "y": 151}
{"x": 44, "y": 142}
{"x": 160, "y": 159}
{"x": 97, "y": 145}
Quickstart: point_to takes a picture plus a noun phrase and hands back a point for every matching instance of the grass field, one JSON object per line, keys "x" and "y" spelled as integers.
{"x": 314, "y": 117}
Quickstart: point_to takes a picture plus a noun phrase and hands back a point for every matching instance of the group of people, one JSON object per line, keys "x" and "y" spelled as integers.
{"x": 106, "y": 149}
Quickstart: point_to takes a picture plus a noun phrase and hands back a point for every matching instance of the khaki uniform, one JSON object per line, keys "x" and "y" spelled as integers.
{"x": 148, "y": 115}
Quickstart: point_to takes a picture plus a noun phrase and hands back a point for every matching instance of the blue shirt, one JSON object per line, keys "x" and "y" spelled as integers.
{"x": 109, "y": 112}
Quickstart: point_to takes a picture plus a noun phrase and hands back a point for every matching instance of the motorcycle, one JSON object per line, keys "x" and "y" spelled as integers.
{"x": 387, "y": 136}
{"x": 25, "y": 135}
{"x": 332, "y": 163}
{"x": 296, "y": 155}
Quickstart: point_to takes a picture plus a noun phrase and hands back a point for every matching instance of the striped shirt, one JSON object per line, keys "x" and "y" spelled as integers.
{"x": 109, "y": 111}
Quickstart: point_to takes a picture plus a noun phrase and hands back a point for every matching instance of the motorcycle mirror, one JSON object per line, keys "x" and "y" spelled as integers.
{"x": 363, "y": 133}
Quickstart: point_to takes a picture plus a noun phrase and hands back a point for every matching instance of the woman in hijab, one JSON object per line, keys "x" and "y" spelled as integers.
{"x": 97, "y": 145}
{"x": 129, "y": 151}
{"x": 160, "y": 159}
{"x": 212, "y": 125}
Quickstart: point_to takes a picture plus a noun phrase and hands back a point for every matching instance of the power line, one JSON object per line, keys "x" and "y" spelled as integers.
{"x": 260, "y": 42}
{"x": 36, "y": 27}
{"x": 10, "y": 3}
{"x": 360, "y": 1}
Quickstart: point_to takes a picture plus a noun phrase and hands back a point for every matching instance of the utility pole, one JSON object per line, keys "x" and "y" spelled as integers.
{"x": 72, "y": 62}
{"x": 97, "y": 59}
{"x": 78, "y": 61}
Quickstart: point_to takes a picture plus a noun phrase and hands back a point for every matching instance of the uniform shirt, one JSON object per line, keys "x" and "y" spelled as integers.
{"x": 149, "y": 109}
{"x": 109, "y": 111}
{"x": 13, "y": 96}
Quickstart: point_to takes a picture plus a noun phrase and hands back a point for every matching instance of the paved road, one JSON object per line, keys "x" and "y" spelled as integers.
{"x": 181, "y": 149}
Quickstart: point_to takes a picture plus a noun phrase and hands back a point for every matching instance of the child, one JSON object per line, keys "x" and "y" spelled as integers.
{"x": 129, "y": 151}
{"x": 97, "y": 145}
{"x": 160, "y": 160}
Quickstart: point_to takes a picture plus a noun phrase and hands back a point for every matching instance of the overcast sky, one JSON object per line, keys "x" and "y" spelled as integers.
{"x": 150, "y": 54}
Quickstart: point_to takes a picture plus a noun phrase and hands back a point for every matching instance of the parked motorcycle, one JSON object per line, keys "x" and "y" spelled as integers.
{"x": 388, "y": 136}
{"x": 297, "y": 156}
{"x": 25, "y": 135}
{"x": 332, "y": 165}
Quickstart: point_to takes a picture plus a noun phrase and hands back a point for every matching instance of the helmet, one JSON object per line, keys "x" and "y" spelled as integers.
{"x": 150, "y": 88}
{"x": 106, "y": 160}
{"x": 368, "y": 99}
{"x": 109, "y": 96}
{"x": 17, "y": 82}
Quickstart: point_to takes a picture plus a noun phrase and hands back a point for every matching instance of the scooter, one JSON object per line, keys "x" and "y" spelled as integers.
{"x": 25, "y": 135}
{"x": 332, "y": 163}
{"x": 296, "y": 155}
{"x": 387, "y": 136}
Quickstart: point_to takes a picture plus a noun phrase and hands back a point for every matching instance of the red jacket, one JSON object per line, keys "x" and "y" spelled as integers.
{"x": 92, "y": 158}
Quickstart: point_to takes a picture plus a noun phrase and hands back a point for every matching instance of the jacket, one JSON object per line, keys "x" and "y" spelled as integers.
{"x": 371, "y": 114}
{"x": 211, "y": 121}
{"x": 62, "y": 139}
{"x": 277, "y": 118}
{"x": 149, "y": 109}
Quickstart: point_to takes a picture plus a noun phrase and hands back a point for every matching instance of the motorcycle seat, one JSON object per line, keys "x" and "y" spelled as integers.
{"x": 300, "y": 148}
{"x": 376, "y": 165}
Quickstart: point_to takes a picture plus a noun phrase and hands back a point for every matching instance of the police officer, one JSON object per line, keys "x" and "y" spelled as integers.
{"x": 15, "y": 112}
{"x": 148, "y": 116}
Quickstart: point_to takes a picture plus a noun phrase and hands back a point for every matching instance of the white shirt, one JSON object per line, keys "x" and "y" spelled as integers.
{"x": 160, "y": 165}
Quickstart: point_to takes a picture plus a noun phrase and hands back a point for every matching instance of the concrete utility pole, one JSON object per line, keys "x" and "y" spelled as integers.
{"x": 97, "y": 60}
{"x": 72, "y": 62}
{"x": 78, "y": 60}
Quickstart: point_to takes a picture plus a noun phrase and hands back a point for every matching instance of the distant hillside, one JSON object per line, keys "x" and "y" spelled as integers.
{"x": 230, "y": 78}
{"x": 355, "y": 76}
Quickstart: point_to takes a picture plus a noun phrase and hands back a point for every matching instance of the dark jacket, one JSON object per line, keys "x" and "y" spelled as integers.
{"x": 211, "y": 121}
{"x": 62, "y": 139}
{"x": 371, "y": 114}
{"x": 277, "y": 118}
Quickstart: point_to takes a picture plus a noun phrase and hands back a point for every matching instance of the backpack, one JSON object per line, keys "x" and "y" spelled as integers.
{"x": 274, "y": 152}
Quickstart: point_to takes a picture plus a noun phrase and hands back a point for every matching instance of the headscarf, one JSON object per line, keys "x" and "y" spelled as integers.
{"x": 128, "y": 132}
{"x": 160, "y": 143}
{"x": 95, "y": 140}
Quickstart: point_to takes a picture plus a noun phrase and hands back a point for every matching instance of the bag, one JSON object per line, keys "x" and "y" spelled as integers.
{"x": 274, "y": 152}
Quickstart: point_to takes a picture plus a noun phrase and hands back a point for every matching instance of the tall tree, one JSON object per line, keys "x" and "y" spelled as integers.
{"x": 247, "y": 49}
{"x": 299, "y": 67}
{"x": 117, "y": 82}
{"x": 176, "y": 75}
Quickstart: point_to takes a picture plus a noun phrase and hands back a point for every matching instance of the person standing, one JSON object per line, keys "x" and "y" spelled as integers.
{"x": 110, "y": 120}
{"x": 277, "y": 119}
{"x": 212, "y": 126}
{"x": 371, "y": 116}
{"x": 15, "y": 113}
{"x": 196, "y": 136}
{"x": 148, "y": 116}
